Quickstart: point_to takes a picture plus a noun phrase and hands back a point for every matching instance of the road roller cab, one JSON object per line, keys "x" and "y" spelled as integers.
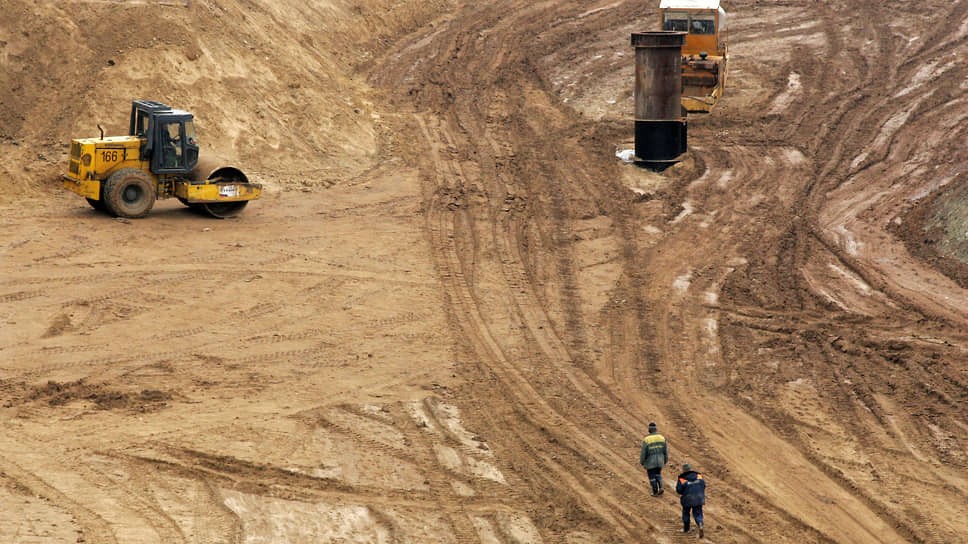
{"x": 167, "y": 137}
{"x": 159, "y": 158}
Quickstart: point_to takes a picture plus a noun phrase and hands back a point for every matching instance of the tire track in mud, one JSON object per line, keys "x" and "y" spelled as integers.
{"x": 446, "y": 227}
{"x": 858, "y": 106}
{"x": 424, "y": 445}
{"x": 682, "y": 318}
{"x": 107, "y": 367}
{"x": 856, "y": 139}
{"x": 237, "y": 318}
{"x": 108, "y": 489}
{"x": 838, "y": 380}
{"x": 861, "y": 404}
{"x": 150, "y": 483}
{"x": 697, "y": 437}
{"x": 290, "y": 484}
{"x": 132, "y": 491}
{"x": 451, "y": 265}
{"x": 446, "y": 231}
{"x": 153, "y": 276}
{"x": 111, "y": 370}
{"x": 456, "y": 260}
{"x": 93, "y": 527}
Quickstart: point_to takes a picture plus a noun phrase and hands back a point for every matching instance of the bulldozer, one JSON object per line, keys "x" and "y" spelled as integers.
{"x": 704, "y": 55}
{"x": 159, "y": 158}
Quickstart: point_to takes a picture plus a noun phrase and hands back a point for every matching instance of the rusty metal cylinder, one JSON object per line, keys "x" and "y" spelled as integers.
{"x": 660, "y": 129}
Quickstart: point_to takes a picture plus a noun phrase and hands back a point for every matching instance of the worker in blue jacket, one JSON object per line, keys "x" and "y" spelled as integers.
{"x": 692, "y": 487}
{"x": 654, "y": 456}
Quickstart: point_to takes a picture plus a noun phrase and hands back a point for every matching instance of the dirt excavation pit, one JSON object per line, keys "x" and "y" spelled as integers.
{"x": 454, "y": 310}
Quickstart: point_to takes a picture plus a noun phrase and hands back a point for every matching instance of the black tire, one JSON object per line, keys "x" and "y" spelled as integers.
{"x": 129, "y": 192}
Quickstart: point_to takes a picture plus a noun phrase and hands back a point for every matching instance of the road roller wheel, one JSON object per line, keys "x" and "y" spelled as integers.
{"x": 221, "y": 209}
{"x": 129, "y": 192}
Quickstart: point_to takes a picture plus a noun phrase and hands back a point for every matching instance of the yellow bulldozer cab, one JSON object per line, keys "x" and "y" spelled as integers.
{"x": 704, "y": 54}
{"x": 704, "y": 21}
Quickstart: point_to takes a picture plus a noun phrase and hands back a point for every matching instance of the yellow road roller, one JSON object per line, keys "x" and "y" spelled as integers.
{"x": 124, "y": 175}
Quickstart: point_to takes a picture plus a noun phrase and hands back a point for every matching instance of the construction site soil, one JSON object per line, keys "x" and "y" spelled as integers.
{"x": 454, "y": 311}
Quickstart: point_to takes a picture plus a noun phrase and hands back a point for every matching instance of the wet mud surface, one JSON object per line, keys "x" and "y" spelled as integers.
{"x": 455, "y": 311}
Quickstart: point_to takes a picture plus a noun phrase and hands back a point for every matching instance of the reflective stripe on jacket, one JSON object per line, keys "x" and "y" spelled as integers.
{"x": 655, "y": 453}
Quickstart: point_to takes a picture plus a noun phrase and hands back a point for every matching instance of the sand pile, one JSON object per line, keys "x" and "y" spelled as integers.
{"x": 274, "y": 86}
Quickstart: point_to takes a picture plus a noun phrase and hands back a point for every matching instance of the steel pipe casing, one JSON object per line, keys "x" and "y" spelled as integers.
{"x": 658, "y": 75}
{"x": 660, "y": 129}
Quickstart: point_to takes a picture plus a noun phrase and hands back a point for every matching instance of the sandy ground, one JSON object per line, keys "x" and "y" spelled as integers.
{"x": 454, "y": 312}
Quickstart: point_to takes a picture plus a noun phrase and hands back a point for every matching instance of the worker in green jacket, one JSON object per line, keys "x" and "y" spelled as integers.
{"x": 654, "y": 456}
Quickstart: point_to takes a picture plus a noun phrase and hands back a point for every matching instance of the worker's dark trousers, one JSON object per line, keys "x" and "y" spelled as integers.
{"x": 655, "y": 478}
{"x": 696, "y": 513}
